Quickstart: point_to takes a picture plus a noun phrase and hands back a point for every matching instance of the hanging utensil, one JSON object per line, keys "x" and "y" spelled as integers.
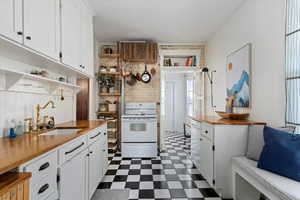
{"x": 153, "y": 71}
{"x": 62, "y": 94}
{"x": 146, "y": 76}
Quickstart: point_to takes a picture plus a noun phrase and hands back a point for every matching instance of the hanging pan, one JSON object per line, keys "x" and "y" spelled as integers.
{"x": 146, "y": 76}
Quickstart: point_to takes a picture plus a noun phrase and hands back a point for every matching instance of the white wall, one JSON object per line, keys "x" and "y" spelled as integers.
{"x": 262, "y": 23}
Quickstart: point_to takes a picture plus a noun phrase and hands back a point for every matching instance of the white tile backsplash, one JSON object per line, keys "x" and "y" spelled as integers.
{"x": 18, "y": 106}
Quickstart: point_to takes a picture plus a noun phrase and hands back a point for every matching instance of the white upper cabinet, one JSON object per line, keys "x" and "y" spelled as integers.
{"x": 70, "y": 23}
{"x": 86, "y": 41}
{"x": 58, "y": 29}
{"x": 11, "y": 19}
{"x": 41, "y": 26}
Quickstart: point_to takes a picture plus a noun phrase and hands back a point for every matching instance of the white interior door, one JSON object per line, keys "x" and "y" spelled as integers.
{"x": 11, "y": 15}
{"x": 41, "y": 26}
{"x": 169, "y": 106}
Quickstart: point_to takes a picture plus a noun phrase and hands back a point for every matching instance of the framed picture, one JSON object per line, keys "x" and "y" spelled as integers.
{"x": 238, "y": 76}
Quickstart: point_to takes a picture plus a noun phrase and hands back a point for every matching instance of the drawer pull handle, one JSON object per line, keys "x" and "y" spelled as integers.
{"x": 44, "y": 166}
{"x": 43, "y": 188}
{"x": 95, "y": 135}
{"x": 68, "y": 152}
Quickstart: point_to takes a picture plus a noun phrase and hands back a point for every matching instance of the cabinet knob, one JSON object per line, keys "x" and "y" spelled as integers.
{"x": 91, "y": 152}
{"x": 28, "y": 38}
{"x": 20, "y": 33}
{"x": 206, "y": 132}
{"x": 201, "y": 139}
{"x": 103, "y": 150}
{"x": 104, "y": 133}
{"x": 88, "y": 155}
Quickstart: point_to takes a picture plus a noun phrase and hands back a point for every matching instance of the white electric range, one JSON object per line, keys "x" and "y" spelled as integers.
{"x": 139, "y": 130}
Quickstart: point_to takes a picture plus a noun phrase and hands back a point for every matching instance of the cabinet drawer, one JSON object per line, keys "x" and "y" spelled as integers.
{"x": 95, "y": 135}
{"x": 44, "y": 188}
{"x": 71, "y": 149}
{"x": 207, "y": 130}
{"x": 46, "y": 166}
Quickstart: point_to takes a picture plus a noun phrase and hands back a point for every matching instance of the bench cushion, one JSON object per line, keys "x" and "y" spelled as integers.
{"x": 285, "y": 188}
{"x": 256, "y": 140}
{"x": 281, "y": 153}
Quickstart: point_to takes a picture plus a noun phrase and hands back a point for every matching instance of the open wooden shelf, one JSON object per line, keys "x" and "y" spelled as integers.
{"x": 106, "y": 113}
{"x": 115, "y": 55}
{"x": 110, "y": 94}
{"x": 111, "y": 73}
{"x": 112, "y": 140}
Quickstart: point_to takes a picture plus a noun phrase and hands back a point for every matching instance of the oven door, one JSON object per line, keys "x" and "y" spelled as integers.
{"x": 139, "y": 129}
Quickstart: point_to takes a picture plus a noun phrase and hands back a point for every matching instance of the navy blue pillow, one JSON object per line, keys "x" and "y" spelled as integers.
{"x": 281, "y": 153}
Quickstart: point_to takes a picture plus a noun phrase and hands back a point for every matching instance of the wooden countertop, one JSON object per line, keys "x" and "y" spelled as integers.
{"x": 221, "y": 121}
{"x": 16, "y": 151}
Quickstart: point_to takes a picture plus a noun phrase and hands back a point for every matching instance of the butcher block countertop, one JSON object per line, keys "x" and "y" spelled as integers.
{"x": 16, "y": 151}
{"x": 220, "y": 121}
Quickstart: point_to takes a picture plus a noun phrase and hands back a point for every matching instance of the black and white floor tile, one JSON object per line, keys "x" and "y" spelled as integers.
{"x": 171, "y": 175}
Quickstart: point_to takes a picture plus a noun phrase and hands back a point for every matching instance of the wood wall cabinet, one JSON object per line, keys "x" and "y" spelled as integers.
{"x": 151, "y": 53}
{"x": 41, "y": 26}
{"x": 11, "y": 19}
{"x": 14, "y": 186}
{"x": 139, "y": 52}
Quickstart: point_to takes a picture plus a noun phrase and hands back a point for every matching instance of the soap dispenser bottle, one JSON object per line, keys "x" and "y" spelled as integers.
{"x": 12, "y": 133}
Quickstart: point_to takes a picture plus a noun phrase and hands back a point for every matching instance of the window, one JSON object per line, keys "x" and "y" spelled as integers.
{"x": 293, "y": 63}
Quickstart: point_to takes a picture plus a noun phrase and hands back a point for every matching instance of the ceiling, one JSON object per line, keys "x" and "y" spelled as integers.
{"x": 164, "y": 21}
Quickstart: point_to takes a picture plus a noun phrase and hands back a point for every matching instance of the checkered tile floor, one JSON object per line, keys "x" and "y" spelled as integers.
{"x": 171, "y": 175}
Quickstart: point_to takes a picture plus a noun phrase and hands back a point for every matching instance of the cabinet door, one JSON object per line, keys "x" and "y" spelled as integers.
{"x": 195, "y": 145}
{"x": 11, "y": 13}
{"x": 41, "y": 26}
{"x": 86, "y": 40}
{"x": 104, "y": 148}
{"x": 206, "y": 159}
{"x": 95, "y": 167}
{"x": 133, "y": 52}
{"x": 73, "y": 177}
{"x": 151, "y": 53}
{"x": 70, "y": 32}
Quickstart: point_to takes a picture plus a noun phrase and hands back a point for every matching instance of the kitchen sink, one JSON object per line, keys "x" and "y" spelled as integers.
{"x": 61, "y": 132}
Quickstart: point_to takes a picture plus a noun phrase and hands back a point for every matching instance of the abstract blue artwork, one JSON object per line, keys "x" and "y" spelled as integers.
{"x": 238, "y": 76}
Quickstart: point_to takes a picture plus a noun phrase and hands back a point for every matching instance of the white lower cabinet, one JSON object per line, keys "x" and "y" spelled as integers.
{"x": 71, "y": 171}
{"x": 212, "y": 148}
{"x": 95, "y": 166}
{"x": 206, "y": 161}
{"x": 73, "y": 178}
